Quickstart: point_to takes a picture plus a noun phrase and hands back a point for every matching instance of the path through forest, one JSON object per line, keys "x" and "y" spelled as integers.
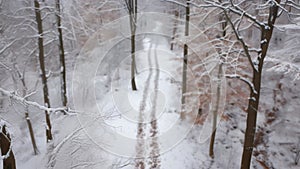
{"x": 140, "y": 126}
{"x": 152, "y": 158}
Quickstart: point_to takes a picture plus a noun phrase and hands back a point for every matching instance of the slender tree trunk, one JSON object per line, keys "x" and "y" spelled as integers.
{"x": 174, "y": 30}
{"x": 42, "y": 67}
{"x": 185, "y": 59}
{"x": 253, "y": 104}
{"x": 215, "y": 112}
{"x": 5, "y": 141}
{"x": 218, "y": 94}
{"x": 61, "y": 56}
{"x": 35, "y": 149}
{"x": 133, "y": 84}
{"x": 21, "y": 77}
{"x": 133, "y": 20}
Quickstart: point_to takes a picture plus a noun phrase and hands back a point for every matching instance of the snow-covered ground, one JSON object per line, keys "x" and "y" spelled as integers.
{"x": 116, "y": 125}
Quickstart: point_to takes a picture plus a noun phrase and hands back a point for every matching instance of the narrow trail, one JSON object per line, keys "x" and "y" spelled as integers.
{"x": 154, "y": 146}
{"x": 140, "y": 146}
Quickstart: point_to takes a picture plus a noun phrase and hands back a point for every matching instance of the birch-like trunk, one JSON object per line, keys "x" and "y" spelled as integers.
{"x": 185, "y": 59}
{"x": 218, "y": 93}
{"x": 174, "y": 30}
{"x": 215, "y": 111}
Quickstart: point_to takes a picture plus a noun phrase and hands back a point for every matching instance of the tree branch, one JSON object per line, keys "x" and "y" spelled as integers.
{"x": 245, "y": 47}
{"x": 245, "y": 80}
{"x": 23, "y": 100}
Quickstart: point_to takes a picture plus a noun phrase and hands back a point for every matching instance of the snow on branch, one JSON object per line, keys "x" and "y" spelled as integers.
{"x": 245, "y": 46}
{"x": 232, "y": 8}
{"x": 59, "y": 146}
{"x": 176, "y": 2}
{"x": 288, "y": 67}
{"x": 245, "y": 80}
{"x": 23, "y": 101}
{"x": 8, "y": 45}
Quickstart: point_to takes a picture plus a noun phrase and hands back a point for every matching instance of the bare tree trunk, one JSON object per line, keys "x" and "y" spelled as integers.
{"x": 218, "y": 94}
{"x": 35, "y": 149}
{"x": 253, "y": 104}
{"x": 185, "y": 59}
{"x": 132, "y": 10}
{"x": 9, "y": 161}
{"x": 42, "y": 67}
{"x": 215, "y": 113}
{"x": 174, "y": 29}
{"x": 22, "y": 79}
{"x": 133, "y": 84}
{"x": 61, "y": 56}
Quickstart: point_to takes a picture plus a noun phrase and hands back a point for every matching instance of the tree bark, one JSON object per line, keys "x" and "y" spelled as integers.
{"x": 185, "y": 59}
{"x": 218, "y": 94}
{"x": 215, "y": 112}
{"x": 133, "y": 84}
{"x": 5, "y": 145}
{"x": 132, "y": 10}
{"x": 174, "y": 30}
{"x": 35, "y": 149}
{"x": 42, "y": 67}
{"x": 255, "y": 94}
{"x": 22, "y": 79}
{"x": 61, "y": 56}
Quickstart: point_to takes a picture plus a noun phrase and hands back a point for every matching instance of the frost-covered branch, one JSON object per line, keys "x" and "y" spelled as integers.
{"x": 59, "y": 146}
{"x": 245, "y": 46}
{"x": 288, "y": 67}
{"x": 26, "y": 102}
{"x": 8, "y": 45}
{"x": 176, "y": 2}
{"x": 233, "y": 8}
{"x": 245, "y": 80}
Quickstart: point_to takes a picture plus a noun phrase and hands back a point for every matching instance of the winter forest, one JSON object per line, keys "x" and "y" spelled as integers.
{"x": 150, "y": 84}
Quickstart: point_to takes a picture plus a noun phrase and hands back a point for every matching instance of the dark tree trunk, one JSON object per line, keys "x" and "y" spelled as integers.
{"x": 185, "y": 58}
{"x": 35, "y": 150}
{"x": 255, "y": 94}
{"x": 251, "y": 121}
{"x": 42, "y": 67}
{"x": 133, "y": 84}
{"x": 61, "y": 56}
{"x": 5, "y": 145}
{"x": 132, "y": 10}
{"x": 22, "y": 79}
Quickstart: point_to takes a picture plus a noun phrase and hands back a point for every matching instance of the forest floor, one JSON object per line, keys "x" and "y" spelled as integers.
{"x": 142, "y": 129}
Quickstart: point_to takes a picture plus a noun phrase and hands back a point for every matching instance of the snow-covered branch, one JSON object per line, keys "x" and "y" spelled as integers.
{"x": 288, "y": 67}
{"x": 234, "y": 9}
{"x": 26, "y": 102}
{"x": 59, "y": 146}
{"x": 245, "y": 80}
{"x": 8, "y": 45}
{"x": 176, "y": 2}
{"x": 245, "y": 46}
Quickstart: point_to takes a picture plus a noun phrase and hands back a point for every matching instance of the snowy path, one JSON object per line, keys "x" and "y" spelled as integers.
{"x": 153, "y": 161}
{"x": 136, "y": 129}
{"x": 140, "y": 146}
{"x": 154, "y": 154}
